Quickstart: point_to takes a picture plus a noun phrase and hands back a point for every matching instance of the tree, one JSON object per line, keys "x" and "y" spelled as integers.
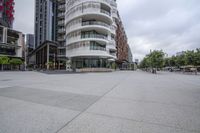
{"x": 180, "y": 60}
{"x": 190, "y": 58}
{"x": 16, "y": 62}
{"x": 145, "y": 63}
{"x": 172, "y": 61}
{"x": 4, "y": 60}
{"x": 167, "y": 62}
{"x": 197, "y": 57}
{"x": 156, "y": 59}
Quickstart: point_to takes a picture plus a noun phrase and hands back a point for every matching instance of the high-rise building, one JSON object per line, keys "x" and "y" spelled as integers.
{"x": 45, "y": 21}
{"x": 49, "y": 26}
{"x": 30, "y": 41}
{"x": 61, "y": 30}
{"x": 28, "y": 48}
{"x": 6, "y": 13}
{"x": 91, "y": 32}
{"x": 84, "y": 31}
{"x": 49, "y": 21}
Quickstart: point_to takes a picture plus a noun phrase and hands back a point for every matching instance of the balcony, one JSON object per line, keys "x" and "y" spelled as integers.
{"x": 97, "y": 47}
{"x": 61, "y": 30}
{"x": 100, "y": 36}
{"x": 61, "y": 15}
{"x": 95, "y": 23}
{"x": 61, "y": 55}
{"x": 113, "y": 54}
{"x": 105, "y": 12}
{"x": 61, "y": 52}
{"x": 61, "y": 22}
{"x": 61, "y": 7}
{"x": 113, "y": 3}
{"x": 61, "y": 39}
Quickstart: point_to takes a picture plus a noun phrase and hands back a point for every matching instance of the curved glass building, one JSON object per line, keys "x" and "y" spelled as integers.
{"x": 90, "y": 32}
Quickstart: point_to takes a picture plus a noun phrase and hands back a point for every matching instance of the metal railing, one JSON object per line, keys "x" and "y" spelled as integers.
{"x": 105, "y": 12}
{"x": 95, "y": 23}
{"x": 61, "y": 30}
{"x": 61, "y": 22}
{"x": 61, "y": 14}
{"x": 94, "y": 36}
{"x": 61, "y": 6}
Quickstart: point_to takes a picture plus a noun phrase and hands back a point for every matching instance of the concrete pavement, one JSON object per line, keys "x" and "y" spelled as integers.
{"x": 118, "y": 102}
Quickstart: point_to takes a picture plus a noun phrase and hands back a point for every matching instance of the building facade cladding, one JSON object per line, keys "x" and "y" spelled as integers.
{"x": 11, "y": 42}
{"x": 7, "y": 13}
{"x": 29, "y": 45}
{"x": 61, "y": 29}
{"x": 30, "y": 41}
{"x": 91, "y": 32}
{"x": 49, "y": 23}
{"x": 45, "y": 21}
{"x": 122, "y": 42}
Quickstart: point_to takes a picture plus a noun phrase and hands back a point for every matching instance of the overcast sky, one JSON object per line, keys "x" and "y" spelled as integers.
{"x": 170, "y": 25}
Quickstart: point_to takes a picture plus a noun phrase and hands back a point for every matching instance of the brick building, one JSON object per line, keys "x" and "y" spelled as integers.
{"x": 121, "y": 43}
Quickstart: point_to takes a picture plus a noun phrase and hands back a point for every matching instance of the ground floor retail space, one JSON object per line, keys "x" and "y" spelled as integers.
{"x": 91, "y": 62}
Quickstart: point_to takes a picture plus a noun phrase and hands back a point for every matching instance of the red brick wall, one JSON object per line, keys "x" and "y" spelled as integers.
{"x": 121, "y": 43}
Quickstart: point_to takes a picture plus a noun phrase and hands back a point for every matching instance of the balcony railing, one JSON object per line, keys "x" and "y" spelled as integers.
{"x": 61, "y": 22}
{"x": 62, "y": 54}
{"x": 61, "y": 30}
{"x": 61, "y": 14}
{"x": 113, "y": 3}
{"x": 97, "y": 48}
{"x": 113, "y": 54}
{"x": 105, "y": 12}
{"x": 95, "y": 23}
{"x": 61, "y": 6}
{"x": 100, "y": 36}
{"x": 61, "y": 39}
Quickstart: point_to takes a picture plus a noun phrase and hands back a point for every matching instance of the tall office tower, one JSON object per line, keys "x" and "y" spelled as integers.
{"x": 6, "y": 13}
{"x": 61, "y": 30}
{"x": 45, "y": 21}
{"x": 30, "y": 41}
{"x": 29, "y": 47}
{"x": 91, "y": 32}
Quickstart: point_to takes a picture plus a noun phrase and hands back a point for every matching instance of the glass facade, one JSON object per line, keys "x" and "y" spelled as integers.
{"x": 89, "y": 63}
{"x": 96, "y": 46}
{"x": 6, "y": 50}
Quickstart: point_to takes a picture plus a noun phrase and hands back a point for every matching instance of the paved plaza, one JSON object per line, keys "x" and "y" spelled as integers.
{"x": 117, "y": 102}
